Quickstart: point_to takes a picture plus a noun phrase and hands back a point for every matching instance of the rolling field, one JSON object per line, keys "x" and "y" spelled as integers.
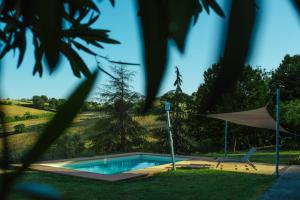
{"x": 13, "y": 110}
{"x": 22, "y": 142}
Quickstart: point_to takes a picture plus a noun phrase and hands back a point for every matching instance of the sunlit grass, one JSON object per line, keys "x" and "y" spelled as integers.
{"x": 262, "y": 156}
{"x": 13, "y": 110}
{"x": 149, "y": 121}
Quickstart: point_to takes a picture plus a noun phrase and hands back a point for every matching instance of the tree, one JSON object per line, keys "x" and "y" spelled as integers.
{"x": 251, "y": 92}
{"x": 290, "y": 118}
{"x": 287, "y": 78}
{"x": 291, "y": 114}
{"x": 178, "y": 120}
{"x": 118, "y": 99}
{"x": 179, "y": 101}
{"x": 39, "y": 101}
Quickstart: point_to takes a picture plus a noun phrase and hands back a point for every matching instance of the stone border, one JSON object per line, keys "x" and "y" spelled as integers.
{"x": 56, "y": 166}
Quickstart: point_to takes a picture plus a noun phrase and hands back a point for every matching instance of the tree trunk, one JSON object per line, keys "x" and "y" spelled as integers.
{"x": 122, "y": 132}
{"x": 234, "y": 144}
{"x": 122, "y": 118}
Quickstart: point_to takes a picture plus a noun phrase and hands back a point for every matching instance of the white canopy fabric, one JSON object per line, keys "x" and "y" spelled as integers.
{"x": 259, "y": 118}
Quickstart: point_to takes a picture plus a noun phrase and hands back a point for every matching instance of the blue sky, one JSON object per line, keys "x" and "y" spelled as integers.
{"x": 278, "y": 34}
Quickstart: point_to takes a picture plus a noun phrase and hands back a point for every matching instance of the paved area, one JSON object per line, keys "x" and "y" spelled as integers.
{"x": 287, "y": 186}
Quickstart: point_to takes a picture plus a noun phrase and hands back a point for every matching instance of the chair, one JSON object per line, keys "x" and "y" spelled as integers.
{"x": 244, "y": 159}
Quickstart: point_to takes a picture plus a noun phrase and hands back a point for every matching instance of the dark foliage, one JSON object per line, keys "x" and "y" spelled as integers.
{"x": 287, "y": 78}
{"x": 19, "y": 128}
{"x": 250, "y": 92}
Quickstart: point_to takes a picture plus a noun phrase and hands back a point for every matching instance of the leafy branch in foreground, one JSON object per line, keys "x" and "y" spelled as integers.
{"x": 57, "y": 27}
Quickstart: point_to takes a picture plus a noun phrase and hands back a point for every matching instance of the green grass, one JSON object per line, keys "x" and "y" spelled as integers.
{"x": 262, "y": 156}
{"x": 182, "y": 184}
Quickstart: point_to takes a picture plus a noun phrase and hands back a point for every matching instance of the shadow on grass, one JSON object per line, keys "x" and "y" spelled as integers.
{"x": 179, "y": 184}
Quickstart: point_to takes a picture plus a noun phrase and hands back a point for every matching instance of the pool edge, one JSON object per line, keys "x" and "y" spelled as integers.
{"x": 45, "y": 166}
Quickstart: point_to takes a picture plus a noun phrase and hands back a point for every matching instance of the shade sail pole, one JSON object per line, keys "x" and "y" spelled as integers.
{"x": 167, "y": 108}
{"x": 277, "y": 131}
{"x": 225, "y": 138}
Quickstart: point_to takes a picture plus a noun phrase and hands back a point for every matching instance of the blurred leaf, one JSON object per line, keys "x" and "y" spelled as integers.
{"x": 89, "y": 4}
{"x": 38, "y": 191}
{"x": 6, "y": 49}
{"x": 155, "y": 37}
{"x": 160, "y": 21}
{"x": 20, "y": 43}
{"x": 241, "y": 24}
{"x": 50, "y": 24}
{"x": 81, "y": 47}
{"x": 60, "y": 122}
{"x": 2, "y": 36}
{"x": 82, "y": 6}
{"x": 73, "y": 7}
{"x": 29, "y": 11}
{"x": 92, "y": 20}
{"x": 89, "y": 34}
{"x": 297, "y": 5}
{"x": 197, "y": 9}
{"x": 112, "y": 2}
{"x": 215, "y": 6}
{"x": 206, "y": 5}
{"x": 179, "y": 19}
{"x": 94, "y": 43}
{"x": 38, "y": 53}
{"x": 75, "y": 60}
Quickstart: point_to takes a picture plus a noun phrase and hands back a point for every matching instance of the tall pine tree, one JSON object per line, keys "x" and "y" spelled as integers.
{"x": 117, "y": 130}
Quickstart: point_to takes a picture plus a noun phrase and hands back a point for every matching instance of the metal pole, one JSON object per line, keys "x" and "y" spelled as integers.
{"x": 277, "y": 130}
{"x": 225, "y": 138}
{"x": 167, "y": 108}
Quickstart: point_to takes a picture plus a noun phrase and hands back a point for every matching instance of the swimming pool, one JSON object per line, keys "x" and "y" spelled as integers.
{"x": 116, "y": 165}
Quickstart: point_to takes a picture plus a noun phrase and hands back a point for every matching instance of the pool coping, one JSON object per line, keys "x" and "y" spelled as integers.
{"x": 52, "y": 166}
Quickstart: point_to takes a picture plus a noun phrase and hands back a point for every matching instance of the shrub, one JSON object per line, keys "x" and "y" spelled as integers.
{"x": 67, "y": 146}
{"x": 295, "y": 161}
{"x": 27, "y": 115}
{"x": 20, "y": 128}
{"x": 18, "y": 118}
{"x": 5, "y": 102}
{"x": 206, "y": 145}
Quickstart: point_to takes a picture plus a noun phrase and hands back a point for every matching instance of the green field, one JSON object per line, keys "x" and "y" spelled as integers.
{"x": 182, "y": 184}
{"x": 13, "y": 110}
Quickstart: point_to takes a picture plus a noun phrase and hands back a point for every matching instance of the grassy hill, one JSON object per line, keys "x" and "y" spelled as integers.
{"x": 75, "y": 141}
{"x": 13, "y": 110}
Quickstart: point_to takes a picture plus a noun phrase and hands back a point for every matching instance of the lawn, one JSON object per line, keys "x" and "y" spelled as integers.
{"x": 262, "y": 156}
{"x": 182, "y": 184}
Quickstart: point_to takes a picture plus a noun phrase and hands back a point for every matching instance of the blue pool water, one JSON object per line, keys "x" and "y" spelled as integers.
{"x": 121, "y": 164}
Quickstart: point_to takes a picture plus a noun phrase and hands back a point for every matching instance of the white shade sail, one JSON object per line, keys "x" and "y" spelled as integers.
{"x": 259, "y": 118}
